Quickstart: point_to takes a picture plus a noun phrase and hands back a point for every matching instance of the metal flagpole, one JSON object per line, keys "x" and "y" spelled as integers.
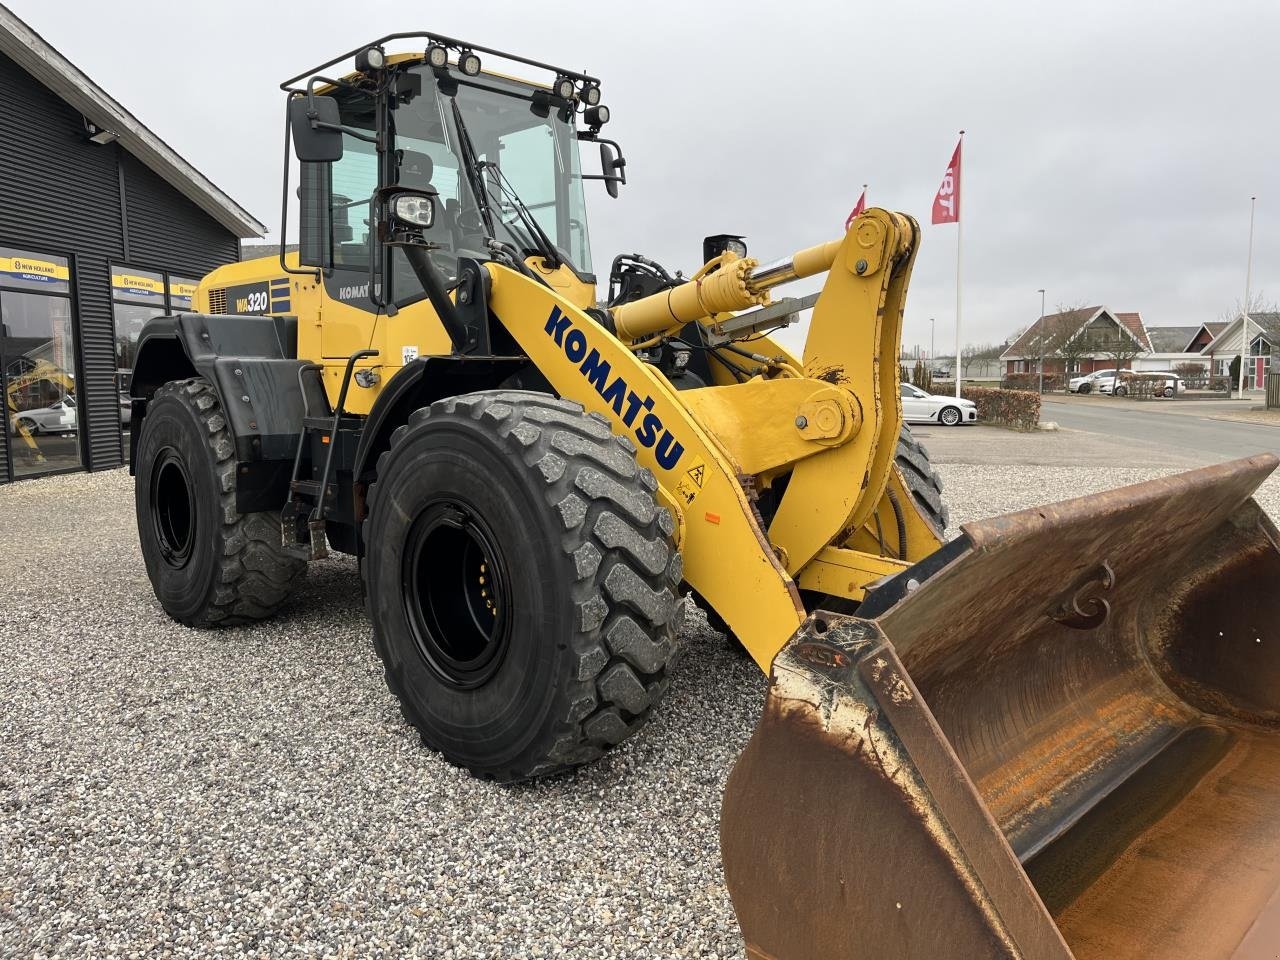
{"x": 1248, "y": 278}
{"x": 959, "y": 228}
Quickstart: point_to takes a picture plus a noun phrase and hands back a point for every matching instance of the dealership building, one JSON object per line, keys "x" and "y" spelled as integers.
{"x": 102, "y": 225}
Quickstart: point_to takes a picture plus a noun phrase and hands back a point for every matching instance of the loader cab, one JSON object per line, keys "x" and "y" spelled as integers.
{"x": 501, "y": 157}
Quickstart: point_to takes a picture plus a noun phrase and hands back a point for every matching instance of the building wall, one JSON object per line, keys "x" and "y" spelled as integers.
{"x": 96, "y": 205}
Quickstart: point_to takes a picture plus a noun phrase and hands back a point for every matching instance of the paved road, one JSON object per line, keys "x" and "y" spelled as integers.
{"x": 1190, "y": 436}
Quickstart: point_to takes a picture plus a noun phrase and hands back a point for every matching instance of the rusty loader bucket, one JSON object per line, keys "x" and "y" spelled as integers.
{"x": 1057, "y": 737}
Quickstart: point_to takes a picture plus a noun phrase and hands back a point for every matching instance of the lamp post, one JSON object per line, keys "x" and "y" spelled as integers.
{"x": 1041, "y": 292}
{"x": 933, "y": 343}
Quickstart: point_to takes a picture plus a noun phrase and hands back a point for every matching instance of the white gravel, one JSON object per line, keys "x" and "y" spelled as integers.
{"x": 254, "y": 792}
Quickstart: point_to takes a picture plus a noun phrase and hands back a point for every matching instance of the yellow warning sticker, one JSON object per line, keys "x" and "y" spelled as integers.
{"x": 690, "y": 484}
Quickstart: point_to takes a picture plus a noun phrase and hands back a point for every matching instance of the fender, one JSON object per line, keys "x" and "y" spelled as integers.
{"x": 252, "y": 364}
{"x": 422, "y": 382}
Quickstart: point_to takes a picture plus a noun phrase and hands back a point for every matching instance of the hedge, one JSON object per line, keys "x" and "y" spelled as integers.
{"x": 1019, "y": 409}
{"x": 1031, "y": 381}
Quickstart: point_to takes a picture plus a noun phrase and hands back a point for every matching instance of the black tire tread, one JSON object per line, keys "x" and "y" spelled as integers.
{"x": 255, "y": 575}
{"x": 617, "y": 545}
{"x": 922, "y": 480}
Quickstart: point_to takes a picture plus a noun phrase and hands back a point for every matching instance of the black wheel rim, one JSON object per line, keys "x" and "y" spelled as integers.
{"x": 172, "y": 514}
{"x": 457, "y": 596}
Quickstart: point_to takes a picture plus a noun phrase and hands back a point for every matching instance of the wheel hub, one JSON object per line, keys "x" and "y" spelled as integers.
{"x": 173, "y": 519}
{"x": 456, "y": 594}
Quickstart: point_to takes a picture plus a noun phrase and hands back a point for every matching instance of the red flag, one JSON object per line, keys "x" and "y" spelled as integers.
{"x": 946, "y": 205}
{"x": 858, "y": 208}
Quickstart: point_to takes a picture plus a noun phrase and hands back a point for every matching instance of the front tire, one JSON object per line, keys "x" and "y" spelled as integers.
{"x": 1084, "y": 388}
{"x": 209, "y": 565}
{"x": 522, "y": 582}
{"x": 949, "y": 416}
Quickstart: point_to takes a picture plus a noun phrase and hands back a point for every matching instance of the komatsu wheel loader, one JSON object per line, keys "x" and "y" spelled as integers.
{"x": 1056, "y": 735}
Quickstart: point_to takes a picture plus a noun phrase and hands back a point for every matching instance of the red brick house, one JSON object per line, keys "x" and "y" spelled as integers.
{"x": 1085, "y": 340}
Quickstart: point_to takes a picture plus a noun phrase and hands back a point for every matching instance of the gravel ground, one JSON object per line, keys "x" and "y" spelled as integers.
{"x": 168, "y": 792}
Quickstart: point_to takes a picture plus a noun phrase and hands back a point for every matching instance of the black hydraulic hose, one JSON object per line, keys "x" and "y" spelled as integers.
{"x": 902, "y": 522}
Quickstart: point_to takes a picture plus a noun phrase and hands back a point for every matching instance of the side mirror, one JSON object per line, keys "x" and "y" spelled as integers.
{"x": 611, "y": 167}
{"x": 314, "y": 124}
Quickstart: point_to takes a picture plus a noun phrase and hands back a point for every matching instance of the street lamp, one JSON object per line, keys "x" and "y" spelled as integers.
{"x": 1041, "y": 292}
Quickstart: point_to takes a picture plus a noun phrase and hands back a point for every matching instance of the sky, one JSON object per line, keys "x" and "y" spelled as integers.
{"x": 1111, "y": 149}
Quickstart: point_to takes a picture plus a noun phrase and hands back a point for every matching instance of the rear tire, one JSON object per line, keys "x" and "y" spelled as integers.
{"x": 522, "y": 582}
{"x": 209, "y": 565}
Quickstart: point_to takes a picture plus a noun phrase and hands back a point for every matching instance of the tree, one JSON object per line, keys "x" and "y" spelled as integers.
{"x": 921, "y": 377}
{"x": 972, "y": 353}
{"x": 1121, "y": 347}
{"x": 1070, "y": 346}
{"x": 1258, "y": 303}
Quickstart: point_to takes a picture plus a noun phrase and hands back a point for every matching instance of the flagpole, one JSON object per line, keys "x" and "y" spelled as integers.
{"x": 1248, "y": 280}
{"x": 959, "y": 229}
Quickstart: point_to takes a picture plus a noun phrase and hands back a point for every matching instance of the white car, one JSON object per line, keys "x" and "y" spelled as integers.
{"x": 1092, "y": 382}
{"x": 1172, "y": 384}
{"x": 921, "y": 407}
{"x": 59, "y": 417}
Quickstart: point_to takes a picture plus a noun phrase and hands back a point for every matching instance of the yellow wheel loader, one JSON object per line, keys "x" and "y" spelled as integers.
{"x": 1056, "y": 735}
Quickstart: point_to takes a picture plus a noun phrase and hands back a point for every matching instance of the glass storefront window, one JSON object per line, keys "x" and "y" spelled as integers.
{"x": 37, "y": 272}
{"x": 137, "y": 286}
{"x": 182, "y": 292}
{"x": 37, "y": 356}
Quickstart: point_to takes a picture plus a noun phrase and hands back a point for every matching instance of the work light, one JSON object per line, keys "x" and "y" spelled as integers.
{"x": 437, "y": 56}
{"x": 469, "y": 63}
{"x": 596, "y": 116}
{"x": 591, "y": 94}
{"x": 371, "y": 58}
{"x": 415, "y": 209}
{"x": 563, "y": 88}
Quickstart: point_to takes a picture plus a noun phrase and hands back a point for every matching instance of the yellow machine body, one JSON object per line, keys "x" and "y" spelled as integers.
{"x": 937, "y": 774}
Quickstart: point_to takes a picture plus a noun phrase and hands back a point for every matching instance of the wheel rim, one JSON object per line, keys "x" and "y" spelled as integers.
{"x": 950, "y": 417}
{"x": 456, "y": 594}
{"x": 172, "y": 516}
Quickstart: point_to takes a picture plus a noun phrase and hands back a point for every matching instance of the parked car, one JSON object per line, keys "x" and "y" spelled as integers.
{"x": 1089, "y": 382}
{"x": 1173, "y": 383}
{"x": 921, "y": 407}
{"x": 58, "y": 417}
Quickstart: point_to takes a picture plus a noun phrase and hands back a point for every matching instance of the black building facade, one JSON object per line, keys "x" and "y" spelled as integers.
{"x": 102, "y": 226}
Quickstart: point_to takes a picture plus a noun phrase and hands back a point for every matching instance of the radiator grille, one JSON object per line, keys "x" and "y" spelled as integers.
{"x": 218, "y": 300}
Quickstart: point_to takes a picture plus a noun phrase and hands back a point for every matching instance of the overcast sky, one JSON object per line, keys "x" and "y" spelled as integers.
{"x": 1110, "y": 153}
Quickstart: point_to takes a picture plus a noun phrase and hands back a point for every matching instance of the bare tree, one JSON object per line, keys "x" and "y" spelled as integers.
{"x": 1258, "y": 303}
{"x": 1068, "y": 344}
{"x": 1121, "y": 347}
{"x": 972, "y": 353}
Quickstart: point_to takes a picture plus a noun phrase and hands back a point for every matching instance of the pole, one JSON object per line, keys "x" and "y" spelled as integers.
{"x": 1248, "y": 278}
{"x": 933, "y": 342}
{"x": 1041, "y": 343}
{"x": 959, "y": 227}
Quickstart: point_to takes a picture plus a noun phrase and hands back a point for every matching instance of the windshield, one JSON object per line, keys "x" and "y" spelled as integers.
{"x": 523, "y": 160}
